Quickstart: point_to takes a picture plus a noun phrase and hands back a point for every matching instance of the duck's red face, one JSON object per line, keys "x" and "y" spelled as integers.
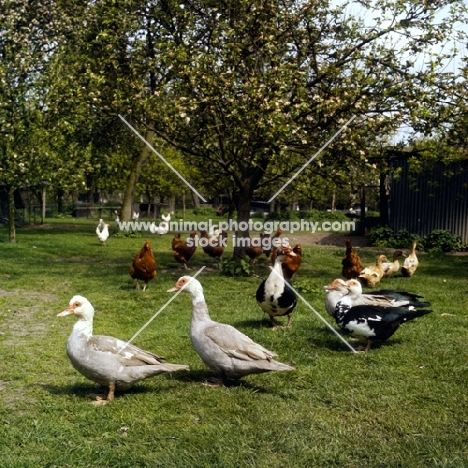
{"x": 70, "y": 310}
{"x": 180, "y": 284}
{"x": 354, "y": 285}
{"x": 336, "y": 285}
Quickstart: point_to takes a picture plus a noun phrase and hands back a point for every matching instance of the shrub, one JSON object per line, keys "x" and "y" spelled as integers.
{"x": 438, "y": 240}
{"x": 404, "y": 239}
{"x": 257, "y": 215}
{"x": 320, "y": 216}
{"x": 381, "y": 236}
{"x": 237, "y": 267}
{"x": 280, "y": 216}
{"x": 205, "y": 211}
{"x": 444, "y": 241}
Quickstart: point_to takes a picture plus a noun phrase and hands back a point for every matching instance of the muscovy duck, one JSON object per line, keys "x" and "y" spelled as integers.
{"x": 274, "y": 295}
{"x": 106, "y": 360}
{"x": 374, "y": 322}
{"x": 222, "y": 347}
{"x": 382, "y": 297}
{"x": 336, "y": 290}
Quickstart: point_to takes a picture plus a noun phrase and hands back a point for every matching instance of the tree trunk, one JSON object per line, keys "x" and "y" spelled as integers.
{"x": 43, "y": 211}
{"x": 60, "y": 194}
{"x": 129, "y": 193}
{"x": 91, "y": 185}
{"x": 196, "y": 199}
{"x": 11, "y": 215}
{"x": 243, "y": 216}
{"x": 157, "y": 206}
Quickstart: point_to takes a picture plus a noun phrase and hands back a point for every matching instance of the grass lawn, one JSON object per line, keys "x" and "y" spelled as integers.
{"x": 403, "y": 404}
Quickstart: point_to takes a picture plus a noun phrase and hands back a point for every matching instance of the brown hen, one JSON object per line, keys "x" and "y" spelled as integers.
{"x": 183, "y": 250}
{"x": 291, "y": 263}
{"x": 274, "y": 238}
{"x": 144, "y": 266}
{"x": 255, "y": 247}
{"x": 213, "y": 246}
{"x": 352, "y": 264}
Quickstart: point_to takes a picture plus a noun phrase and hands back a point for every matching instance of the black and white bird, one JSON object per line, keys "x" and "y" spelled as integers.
{"x": 336, "y": 290}
{"x": 382, "y": 297}
{"x": 375, "y": 323}
{"x": 274, "y": 295}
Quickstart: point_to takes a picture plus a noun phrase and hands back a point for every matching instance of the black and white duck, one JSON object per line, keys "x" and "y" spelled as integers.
{"x": 274, "y": 295}
{"x": 374, "y": 322}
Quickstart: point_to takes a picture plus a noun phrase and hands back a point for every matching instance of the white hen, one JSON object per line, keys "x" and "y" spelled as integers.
{"x": 163, "y": 228}
{"x": 102, "y": 231}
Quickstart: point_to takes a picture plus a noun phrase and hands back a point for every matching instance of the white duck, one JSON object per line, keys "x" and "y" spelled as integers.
{"x": 107, "y": 360}
{"x": 222, "y": 347}
{"x": 382, "y": 298}
{"x": 411, "y": 263}
{"x": 102, "y": 231}
{"x": 336, "y": 290}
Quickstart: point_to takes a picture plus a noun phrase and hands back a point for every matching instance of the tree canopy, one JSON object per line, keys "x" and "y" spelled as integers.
{"x": 245, "y": 90}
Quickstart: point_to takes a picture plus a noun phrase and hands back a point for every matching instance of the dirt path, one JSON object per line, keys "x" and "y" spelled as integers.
{"x": 332, "y": 239}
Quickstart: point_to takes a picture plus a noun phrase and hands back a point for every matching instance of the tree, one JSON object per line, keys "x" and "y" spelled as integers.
{"x": 256, "y": 86}
{"x": 28, "y": 31}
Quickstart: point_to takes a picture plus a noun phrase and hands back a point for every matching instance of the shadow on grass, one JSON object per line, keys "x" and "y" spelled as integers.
{"x": 204, "y": 377}
{"x": 253, "y": 324}
{"x": 90, "y": 390}
{"x": 324, "y": 338}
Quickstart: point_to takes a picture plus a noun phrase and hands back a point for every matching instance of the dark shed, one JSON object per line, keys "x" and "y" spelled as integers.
{"x": 434, "y": 199}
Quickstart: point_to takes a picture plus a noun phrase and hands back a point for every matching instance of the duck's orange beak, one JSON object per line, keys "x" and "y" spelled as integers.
{"x": 68, "y": 311}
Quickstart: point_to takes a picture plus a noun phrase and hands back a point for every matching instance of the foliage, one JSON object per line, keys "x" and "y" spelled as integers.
{"x": 437, "y": 240}
{"x": 207, "y": 211}
{"x": 247, "y": 93}
{"x": 322, "y": 215}
{"x": 283, "y": 215}
{"x": 130, "y": 233}
{"x": 383, "y": 236}
{"x": 236, "y": 267}
{"x": 444, "y": 241}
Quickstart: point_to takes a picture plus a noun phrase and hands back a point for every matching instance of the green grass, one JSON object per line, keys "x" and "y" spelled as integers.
{"x": 403, "y": 404}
